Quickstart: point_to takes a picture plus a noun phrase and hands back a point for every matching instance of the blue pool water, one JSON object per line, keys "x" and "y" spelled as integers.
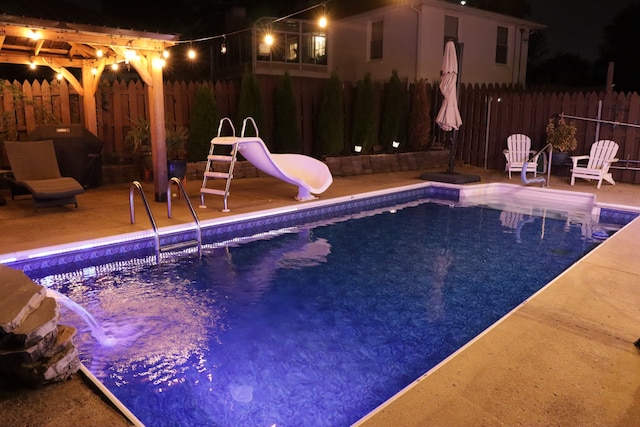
{"x": 314, "y": 325}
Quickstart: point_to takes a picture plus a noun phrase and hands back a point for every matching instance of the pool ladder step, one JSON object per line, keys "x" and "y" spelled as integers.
{"x": 226, "y": 162}
{"x": 171, "y": 246}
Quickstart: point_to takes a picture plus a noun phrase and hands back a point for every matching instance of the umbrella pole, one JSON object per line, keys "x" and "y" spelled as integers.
{"x": 452, "y": 153}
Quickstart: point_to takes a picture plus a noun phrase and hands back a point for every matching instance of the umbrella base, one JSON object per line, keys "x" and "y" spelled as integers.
{"x": 450, "y": 177}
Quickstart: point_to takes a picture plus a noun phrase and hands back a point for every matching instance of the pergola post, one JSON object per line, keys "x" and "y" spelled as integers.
{"x": 158, "y": 131}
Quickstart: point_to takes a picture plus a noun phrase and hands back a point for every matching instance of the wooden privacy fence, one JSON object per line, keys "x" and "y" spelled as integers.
{"x": 489, "y": 114}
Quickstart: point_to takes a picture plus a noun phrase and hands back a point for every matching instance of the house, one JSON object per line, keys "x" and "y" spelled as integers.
{"x": 410, "y": 37}
{"x": 406, "y": 36}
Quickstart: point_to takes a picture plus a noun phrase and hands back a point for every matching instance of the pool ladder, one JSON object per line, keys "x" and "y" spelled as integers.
{"x": 173, "y": 246}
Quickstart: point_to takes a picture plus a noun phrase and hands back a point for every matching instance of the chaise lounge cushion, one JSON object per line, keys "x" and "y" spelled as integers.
{"x": 35, "y": 167}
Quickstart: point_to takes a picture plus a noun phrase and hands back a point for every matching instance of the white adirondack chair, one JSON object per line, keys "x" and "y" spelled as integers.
{"x": 519, "y": 151}
{"x": 602, "y": 154}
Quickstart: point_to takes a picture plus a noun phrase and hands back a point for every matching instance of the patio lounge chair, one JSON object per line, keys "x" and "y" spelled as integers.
{"x": 517, "y": 153}
{"x": 35, "y": 169}
{"x": 602, "y": 154}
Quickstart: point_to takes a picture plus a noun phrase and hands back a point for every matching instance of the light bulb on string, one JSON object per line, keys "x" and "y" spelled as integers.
{"x": 191, "y": 53}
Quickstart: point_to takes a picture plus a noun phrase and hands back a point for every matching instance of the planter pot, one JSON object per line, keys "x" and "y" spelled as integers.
{"x": 177, "y": 169}
{"x": 559, "y": 158}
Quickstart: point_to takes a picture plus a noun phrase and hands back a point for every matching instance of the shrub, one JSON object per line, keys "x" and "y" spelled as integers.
{"x": 286, "y": 132}
{"x": 393, "y": 126}
{"x": 203, "y": 124}
{"x": 364, "y": 129}
{"x": 329, "y": 128}
{"x": 419, "y": 116}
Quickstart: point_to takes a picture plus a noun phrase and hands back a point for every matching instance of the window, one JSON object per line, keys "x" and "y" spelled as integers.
{"x": 450, "y": 29}
{"x": 502, "y": 45}
{"x": 375, "y": 44}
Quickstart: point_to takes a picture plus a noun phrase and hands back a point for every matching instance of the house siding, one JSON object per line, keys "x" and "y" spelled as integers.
{"x": 413, "y": 43}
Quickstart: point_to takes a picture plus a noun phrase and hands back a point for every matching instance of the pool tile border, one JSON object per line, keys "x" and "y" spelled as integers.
{"x": 87, "y": 255}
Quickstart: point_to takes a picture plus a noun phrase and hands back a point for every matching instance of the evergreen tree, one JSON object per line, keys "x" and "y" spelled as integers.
{"x": 203, "y": 124}
{"x": 330, "y": 119}
{"x": 364, "y": 130}
{"x": 393, "y": 125}
{"x": 419, "y": 116}
{"x": 286, "y": 133}
{"x": 250, "y": 103}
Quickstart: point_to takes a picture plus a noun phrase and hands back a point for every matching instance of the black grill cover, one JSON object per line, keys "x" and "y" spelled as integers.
{"x": 77, "y": 150}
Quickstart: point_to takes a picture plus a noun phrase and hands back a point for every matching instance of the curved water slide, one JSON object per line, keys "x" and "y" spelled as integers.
{"x": 310, "y": 175}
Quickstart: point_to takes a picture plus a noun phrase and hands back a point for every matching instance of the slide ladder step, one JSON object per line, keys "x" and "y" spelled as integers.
{"x": 213, "y": 191}
{"x": 219, "y": 158}
{"x": 223, "y": 175}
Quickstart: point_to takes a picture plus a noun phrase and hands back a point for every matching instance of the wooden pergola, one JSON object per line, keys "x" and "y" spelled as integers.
{"x": 90, "y": 48}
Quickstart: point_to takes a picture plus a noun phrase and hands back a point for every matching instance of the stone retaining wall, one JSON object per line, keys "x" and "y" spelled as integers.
{"x": 339, "y": 166}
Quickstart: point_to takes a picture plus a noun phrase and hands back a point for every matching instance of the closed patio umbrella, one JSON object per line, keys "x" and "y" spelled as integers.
{"x": 449, "y": 116}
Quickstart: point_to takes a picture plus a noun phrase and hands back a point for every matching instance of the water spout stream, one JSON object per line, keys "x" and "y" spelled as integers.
{"x": 96, "y": 329}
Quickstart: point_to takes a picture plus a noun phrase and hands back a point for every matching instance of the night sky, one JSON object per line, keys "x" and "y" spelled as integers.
{"x": 575, "y": 26}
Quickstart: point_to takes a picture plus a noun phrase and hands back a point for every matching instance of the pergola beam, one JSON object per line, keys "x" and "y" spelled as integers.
{"x": 62, "y": 45}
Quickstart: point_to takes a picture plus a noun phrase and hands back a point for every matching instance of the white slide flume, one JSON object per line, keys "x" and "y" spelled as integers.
{"x": 310, "y": 175}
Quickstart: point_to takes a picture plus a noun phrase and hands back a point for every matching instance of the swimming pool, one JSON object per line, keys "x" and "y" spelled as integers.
{"x": 328, "y": 300}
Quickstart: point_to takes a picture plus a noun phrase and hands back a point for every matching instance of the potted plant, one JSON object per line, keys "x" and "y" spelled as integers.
{"x": 177, "y": 138}
{"x": 562, "y": 137}
{"x": 138, "y": 142}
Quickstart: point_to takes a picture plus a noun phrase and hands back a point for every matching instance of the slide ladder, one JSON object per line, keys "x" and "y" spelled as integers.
{"x": 220, "y": 163}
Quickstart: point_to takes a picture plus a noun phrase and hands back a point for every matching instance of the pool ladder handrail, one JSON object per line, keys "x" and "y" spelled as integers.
{"x": 154, "y": 225}
{"x": 132, "y": 215}
{"x": 546, "y": 168}
{"x": 198, "y": 240}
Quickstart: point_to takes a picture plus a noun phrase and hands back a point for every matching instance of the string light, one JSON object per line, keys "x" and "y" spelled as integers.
{"x": 223, "y": 48}
{"x": 59, "y": 75}
{"x": 33, "y": 34}
{"x": 114, "y": 66}
{"x": 32, "y": 65}
{"x": 191, "y": 53}
{"x": 99, "y": 53}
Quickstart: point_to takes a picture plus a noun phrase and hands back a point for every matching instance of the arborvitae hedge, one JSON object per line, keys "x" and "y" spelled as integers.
{"x": 419, "y": 116}
{"x": 329, "y": 127}
{"x": 203, "y": 125}
{"x": 364, "y": 129}
{"x": 393, "y": 123}
{"x": 286, "y": 132}
{"x": 250, "y": 103}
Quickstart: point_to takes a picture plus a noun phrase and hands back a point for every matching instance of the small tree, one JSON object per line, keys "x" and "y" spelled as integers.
{"x": 330, "y": 119}
{"x": 364, "y": 129}
{"x": 419, "y": 116}
{"x": 393, "y": 125}
{"x": 250, "y": 103}
{"x": 286, "y": 132}
{"x": 203, "y": 124}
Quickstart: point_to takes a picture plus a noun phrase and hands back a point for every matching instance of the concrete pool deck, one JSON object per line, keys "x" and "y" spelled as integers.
{"x": 565, "y": 357}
